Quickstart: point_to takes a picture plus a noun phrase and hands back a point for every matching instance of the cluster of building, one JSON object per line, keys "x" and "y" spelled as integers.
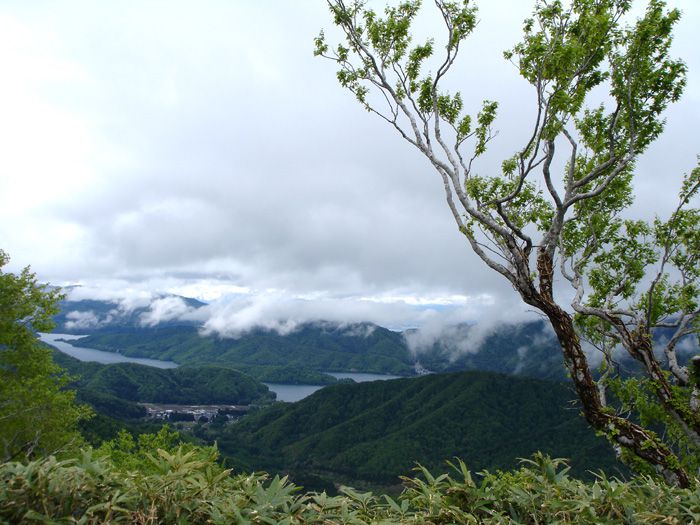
{"x": 194, "y": 412}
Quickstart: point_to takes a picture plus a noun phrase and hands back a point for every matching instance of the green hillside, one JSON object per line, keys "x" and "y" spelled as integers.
{"x": 374, "y": 432}
{"x": 303, "y": 355}
{"x": 204, "y": 384}
{"x": 115, "y": 388}
{"x": 318, "y": 347}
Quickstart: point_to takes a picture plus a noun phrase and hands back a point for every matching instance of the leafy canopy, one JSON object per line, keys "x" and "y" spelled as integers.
{"x": 37, "y": 415}
{"x": 553, "y": 219}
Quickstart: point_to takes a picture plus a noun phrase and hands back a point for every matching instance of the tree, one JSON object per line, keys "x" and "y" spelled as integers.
{"x": 552, "y": 218}
{"x": 37, "y": 414}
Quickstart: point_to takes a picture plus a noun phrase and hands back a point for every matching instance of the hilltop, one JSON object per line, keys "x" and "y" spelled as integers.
{"x": 372, "y": 433}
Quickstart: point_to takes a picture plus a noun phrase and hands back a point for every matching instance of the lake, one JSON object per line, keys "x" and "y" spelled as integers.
{"x": 292, "y": 393}
{"x": 288, "y": 393}
{"x": 98, "y": 356}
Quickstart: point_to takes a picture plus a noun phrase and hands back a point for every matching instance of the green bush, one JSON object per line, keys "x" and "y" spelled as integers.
{"x": 187, "y": 485}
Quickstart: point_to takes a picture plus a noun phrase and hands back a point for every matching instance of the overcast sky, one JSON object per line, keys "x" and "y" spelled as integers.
{"x": 200, "y": 148}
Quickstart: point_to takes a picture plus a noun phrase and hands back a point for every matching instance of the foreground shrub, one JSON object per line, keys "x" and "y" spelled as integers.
{"x": 175, "y": 488}
{"x": 186, "y": 487}
{"x": 542, "y": 492}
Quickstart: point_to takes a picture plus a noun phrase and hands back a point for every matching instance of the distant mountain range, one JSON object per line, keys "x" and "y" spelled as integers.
{"x": 84, "y": 316}
{"x": 313, "y": 348}
{"x": 168, "y": 328}
{"x": 367, "y": 433}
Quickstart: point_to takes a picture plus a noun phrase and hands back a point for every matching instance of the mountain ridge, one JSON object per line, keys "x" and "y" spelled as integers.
{"x": 375, "y": 432}
{"x": 318, "y": 346}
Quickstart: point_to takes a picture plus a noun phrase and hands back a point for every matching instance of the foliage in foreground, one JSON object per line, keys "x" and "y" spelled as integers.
{"x": 188, "y": 486}
{"x": 38, "y": 415}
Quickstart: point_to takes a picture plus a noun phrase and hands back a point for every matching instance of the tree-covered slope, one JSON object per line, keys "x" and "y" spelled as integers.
{"x": 322, "y": 346}
{"x": 522, "y": 349}
{"x": 528, "y": 349}
{"x": 378, "y": 431}
{"x": 302, "y": 355}
{"x": 202, "y": 384}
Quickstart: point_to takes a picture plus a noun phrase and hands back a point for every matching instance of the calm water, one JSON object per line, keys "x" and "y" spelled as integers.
{"x": 98, "y": 356}
{"x": 292, "y": 393}
{"x": 288, "y": 393}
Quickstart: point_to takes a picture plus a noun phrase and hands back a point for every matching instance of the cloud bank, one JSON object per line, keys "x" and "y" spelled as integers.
{"x": 205, "y": 151}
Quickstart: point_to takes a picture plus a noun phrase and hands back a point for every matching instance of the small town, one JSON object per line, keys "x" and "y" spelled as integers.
{"x": 201, "y": 413}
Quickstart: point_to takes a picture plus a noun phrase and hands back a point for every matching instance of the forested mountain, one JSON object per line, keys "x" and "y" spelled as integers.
{"x": 318, "y": 346}
{"x": 115, "y": 389}
{"x": 305, "y": 354}
{"x": 302, "y": 355}
{"x": 527, "y": 349}
{"x": 374, "y": 432}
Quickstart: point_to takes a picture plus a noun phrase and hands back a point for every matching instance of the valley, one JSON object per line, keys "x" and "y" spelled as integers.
{"x": 489, "y": 396}
{"x": 367, "y": 433}
{"x": 306, "y": 354}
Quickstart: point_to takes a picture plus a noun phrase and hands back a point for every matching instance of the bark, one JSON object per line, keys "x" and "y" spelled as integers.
{"x": 619, "y": 430}
{"x": 641, "y": 349}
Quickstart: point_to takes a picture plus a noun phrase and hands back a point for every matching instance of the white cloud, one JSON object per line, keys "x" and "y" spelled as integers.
{"x": 77, "y": 320}
{"x": 165, "y": 309}
{"x": 128, "y": 298}
{"x": 276, "y": 310}
{"x": 204, "y": 151}
{"x": 458, "y": 334}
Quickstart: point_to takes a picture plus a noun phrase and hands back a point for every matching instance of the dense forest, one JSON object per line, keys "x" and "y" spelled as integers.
{"x": 372, "y": 433}
{"x": 302, "y": 356}
{"x": 115, "y": 390}
{"x": 316, "y": 347}
{"x": 369, "y": 433}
